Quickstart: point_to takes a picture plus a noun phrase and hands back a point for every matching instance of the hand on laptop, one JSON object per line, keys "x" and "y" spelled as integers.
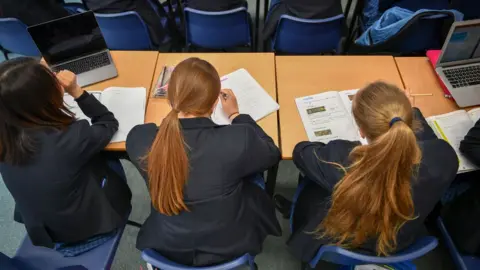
{"x": 68, "y": 80}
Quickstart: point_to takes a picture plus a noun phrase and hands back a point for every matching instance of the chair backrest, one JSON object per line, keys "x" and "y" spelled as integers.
{"x": 302, "y": 36}
{"x": 342, "y": 256}
{"x": 155, "y": 259}
{"x": 423, "y": 32}
{"x": 218, "y": 30}
{"x": 124, "y": 31}
{"x": 15, "y": 38}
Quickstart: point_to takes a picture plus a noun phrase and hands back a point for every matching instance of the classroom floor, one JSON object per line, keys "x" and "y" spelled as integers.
{"x": 275, "y": 255}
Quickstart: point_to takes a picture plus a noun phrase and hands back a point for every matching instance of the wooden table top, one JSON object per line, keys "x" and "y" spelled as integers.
{"x": 419, "y": 77}
{"x": 299, "y": 76}
{"x": 260, "y": 65}
{"x": 135, "y": 69}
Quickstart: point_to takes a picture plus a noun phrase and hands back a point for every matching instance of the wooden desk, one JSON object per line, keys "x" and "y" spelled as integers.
{"x": 420, "y": 78}
{"x": 260, "y": 65}
{"x": 299, "y": 76}
{"x": 135, "y": 69}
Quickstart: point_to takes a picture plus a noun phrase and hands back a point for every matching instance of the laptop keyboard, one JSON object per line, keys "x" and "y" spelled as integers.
{"x": 464, "y": 76}
{"x": 85, "y": 64}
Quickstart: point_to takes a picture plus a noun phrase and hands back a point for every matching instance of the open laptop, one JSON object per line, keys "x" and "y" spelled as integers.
{"x": 459, "y": 63}
{"x": 75, "y": 43}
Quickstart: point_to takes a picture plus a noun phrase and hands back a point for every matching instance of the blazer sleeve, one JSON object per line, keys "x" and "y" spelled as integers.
{"x": 261, "y": 151}
{"x": 91, "y": 139}
{"x": 316, "y": 161}
{"x": 470, "y": 146}
{"x": 426, "y": 132}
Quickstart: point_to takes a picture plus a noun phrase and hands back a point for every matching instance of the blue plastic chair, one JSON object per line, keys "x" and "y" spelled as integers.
{"x": 156, "y": 260}
{"x": 302, "y": 36}
{"x": 462, "y": 262}
{"x": 349, "y": 259}
{"x": 217, "y": 30}
{"x": 124, "y": 31}
{"x": 100, "y": 257}
{"x": 15, "y": 38}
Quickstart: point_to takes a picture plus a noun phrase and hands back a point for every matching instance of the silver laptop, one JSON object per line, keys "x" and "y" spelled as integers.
{"x": 75, "y": 43}
{"x": 459, "y": 63}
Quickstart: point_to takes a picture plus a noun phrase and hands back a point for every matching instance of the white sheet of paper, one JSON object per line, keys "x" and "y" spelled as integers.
{"x": 325, "y": 118}
{"x": 474, "y": 114}
{"x": 128, "y": 106}
{"x": 347, "y": 99}
{"x": 251, "y": 97}
{"x": 453, "y": 127}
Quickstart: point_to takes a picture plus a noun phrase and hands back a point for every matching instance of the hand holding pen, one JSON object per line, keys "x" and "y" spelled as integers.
{"x": 229, "y": 103}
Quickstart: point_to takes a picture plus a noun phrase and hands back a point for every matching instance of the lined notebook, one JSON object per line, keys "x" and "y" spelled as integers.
{"x": 127, "y": 104}
{"x": 251, "y": 97}
{"x": 452, "y": 127}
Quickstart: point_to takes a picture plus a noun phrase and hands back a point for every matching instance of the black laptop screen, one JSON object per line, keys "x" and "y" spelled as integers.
{"x": 463, "y": 44}
{"x": 68, "y": 38}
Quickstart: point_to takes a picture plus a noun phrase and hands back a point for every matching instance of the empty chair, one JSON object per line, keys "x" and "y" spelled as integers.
{"x": 303, "y": 36}
{"x": 156, "y": 260}
{"x": 463, "y": 262}
{"x": 218, "y": 30}
{"x": 15, "y": 38}
{"x": 423, "y": 32}
{"x": 124, "y": 31}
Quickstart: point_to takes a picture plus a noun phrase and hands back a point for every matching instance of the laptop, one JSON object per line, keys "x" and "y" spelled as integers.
{"x": 75, "y": 43}
{"x": 459, "y": 63}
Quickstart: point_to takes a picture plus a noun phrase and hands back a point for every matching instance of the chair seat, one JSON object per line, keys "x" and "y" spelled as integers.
{"x": 45, "y": 258}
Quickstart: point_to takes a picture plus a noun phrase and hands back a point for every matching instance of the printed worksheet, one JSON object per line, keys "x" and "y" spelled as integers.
{"x": 325, "y": 118}
{"x": 251, "y": 97}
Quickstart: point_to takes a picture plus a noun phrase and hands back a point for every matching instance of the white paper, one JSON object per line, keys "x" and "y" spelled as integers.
{"x": 73, "y": 106}
{"x": 127, "y": 104}
{"x": 347, "y": 99}
{"x": 251, "y": 97}
{"x": 325, "y": 118}
{"x": 452, "y": 127}
{"x": 474, "y": 115}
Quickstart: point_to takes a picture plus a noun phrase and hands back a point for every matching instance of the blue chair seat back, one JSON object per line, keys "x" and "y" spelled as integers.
{"x": 15, "y": 38}
{"x": 342, "y": 256}
{"x": 302, "y": 36}
{"x": 218, "y": 30}
{"x": 155, "y": 259}
{"x": 124, "y": 31}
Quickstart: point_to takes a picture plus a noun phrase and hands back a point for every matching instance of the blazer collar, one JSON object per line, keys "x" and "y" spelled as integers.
{"x": 199, "y": 122}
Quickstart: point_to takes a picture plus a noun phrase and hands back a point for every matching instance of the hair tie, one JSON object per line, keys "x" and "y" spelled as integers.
{"x": 394, "y": 120}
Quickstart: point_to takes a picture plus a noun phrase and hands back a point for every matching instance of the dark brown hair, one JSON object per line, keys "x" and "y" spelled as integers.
{"x": 193, "y": 89}
{"x": 30, "y": 97}
{"x": 374, "y": 199}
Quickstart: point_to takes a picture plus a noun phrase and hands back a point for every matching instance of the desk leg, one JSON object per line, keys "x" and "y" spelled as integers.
{"x": 271, "y": 180}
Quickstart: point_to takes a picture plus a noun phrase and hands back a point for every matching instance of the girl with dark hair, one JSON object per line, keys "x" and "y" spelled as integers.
{"x": 205, "y": 208}
{"x": 52, "y": 164}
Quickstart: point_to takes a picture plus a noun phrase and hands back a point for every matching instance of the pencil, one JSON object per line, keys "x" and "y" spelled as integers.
{"x": 420, "y": 95}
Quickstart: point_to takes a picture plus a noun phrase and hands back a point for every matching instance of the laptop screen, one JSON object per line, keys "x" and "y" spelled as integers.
{"x": 68, "y": 38}
{"x": 463, "y": 44}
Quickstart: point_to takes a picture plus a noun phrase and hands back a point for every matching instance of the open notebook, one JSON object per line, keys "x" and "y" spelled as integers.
{"x": 127, "y": 104}
{"x": 328, "y": 116}
{"x": 452, "y": 127}
{"x": 251, "y": 97}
